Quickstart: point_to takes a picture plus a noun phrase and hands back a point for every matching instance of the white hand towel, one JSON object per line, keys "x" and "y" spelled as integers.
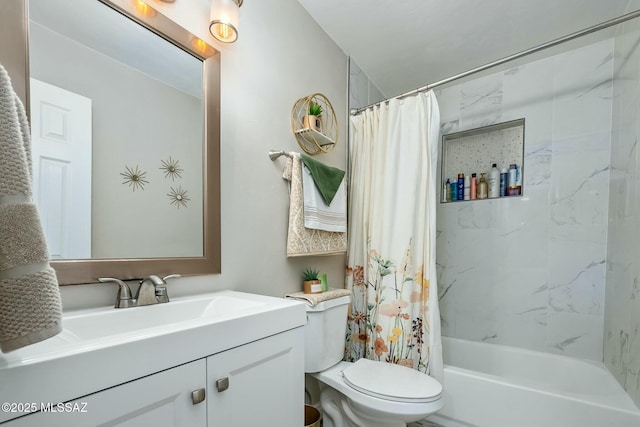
{"x": 317, "y": 214}
{"x": 30, "y": 306}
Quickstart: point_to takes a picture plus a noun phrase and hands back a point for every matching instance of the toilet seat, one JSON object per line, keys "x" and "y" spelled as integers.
{"x": 391, "y": 382}
{"x": 381, "y": 408}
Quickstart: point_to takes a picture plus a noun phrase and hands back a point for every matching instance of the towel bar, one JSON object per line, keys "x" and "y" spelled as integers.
{"x": 275, "y": 154}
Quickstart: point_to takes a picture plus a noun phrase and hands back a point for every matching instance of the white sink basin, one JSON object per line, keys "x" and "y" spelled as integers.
{"x": 101, "y": 348}
{"x": 103, "y": 323}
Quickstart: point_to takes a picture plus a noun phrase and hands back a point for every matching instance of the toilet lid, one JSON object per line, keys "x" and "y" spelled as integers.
{"x": 391, "y": 382}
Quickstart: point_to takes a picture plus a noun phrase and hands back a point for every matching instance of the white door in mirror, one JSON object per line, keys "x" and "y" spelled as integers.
{"x": 61, "y": 147}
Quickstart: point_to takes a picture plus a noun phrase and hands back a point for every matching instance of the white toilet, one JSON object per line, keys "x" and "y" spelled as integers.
{"x": 365, "y": 393}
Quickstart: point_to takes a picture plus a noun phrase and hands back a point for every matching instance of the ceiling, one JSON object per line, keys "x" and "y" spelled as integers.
{"x": 405, "y": 44}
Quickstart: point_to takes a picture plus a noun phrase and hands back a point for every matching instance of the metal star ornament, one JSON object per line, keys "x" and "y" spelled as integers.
{"x": 178, "y": 197}
{"x": 134, "y": 177}
{"x": 171, "y": 169}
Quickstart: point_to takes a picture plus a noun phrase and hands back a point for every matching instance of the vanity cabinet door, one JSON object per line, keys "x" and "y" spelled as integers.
{"x": 258, "y": 384}
{"x": 159, "y": 400}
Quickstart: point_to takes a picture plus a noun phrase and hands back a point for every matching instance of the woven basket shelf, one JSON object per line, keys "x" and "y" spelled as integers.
{"x": 315, "y": 134}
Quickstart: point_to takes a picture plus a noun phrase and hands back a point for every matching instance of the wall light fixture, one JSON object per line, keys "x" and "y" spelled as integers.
{"x": 224, "y": 20}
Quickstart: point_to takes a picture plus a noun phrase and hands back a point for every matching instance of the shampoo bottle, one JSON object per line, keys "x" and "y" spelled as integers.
{"x": 512, "y": 175}
{"x": 482, "y": 187}
{"x": 446, "y": 191}
{"x": 503, "y": 182}
{"x": 474, "y": 186}
{"x": 467, "y": 188}
{"x": 494, "y": 181}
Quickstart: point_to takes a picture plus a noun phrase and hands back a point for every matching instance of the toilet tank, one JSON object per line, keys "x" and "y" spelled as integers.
{"x": 324, "y": 334}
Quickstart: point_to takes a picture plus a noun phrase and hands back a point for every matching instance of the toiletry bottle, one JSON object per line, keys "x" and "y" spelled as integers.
{"x": 494, "y": 181}
{"x": 512, "y": 175}
{"x": 446, "y": 191}
{"x": 518, "y": 187}
{"x": 503, "y": 182}
{"x": 323, "y": 280}
{"x": 460, "y": 186}
{"x": 467, "y": 188}
{"x": 454, "y": 191}
{"x": 482, "y": 187}
{"x": 474, "y": 186}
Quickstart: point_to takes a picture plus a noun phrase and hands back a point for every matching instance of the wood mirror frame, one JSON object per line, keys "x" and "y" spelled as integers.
{"x": 14, "y": 57}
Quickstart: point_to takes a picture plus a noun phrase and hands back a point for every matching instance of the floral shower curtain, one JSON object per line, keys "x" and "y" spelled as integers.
{"x": 394, "y": 315}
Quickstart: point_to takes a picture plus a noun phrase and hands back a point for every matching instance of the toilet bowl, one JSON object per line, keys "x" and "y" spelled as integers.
{"x": 366, "y": 392}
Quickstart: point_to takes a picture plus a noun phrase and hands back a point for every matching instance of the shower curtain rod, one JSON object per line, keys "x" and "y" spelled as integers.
{"x": 593, "y": 29}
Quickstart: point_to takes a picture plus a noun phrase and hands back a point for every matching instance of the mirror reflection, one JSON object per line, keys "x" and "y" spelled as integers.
{"x": 117, "y": 125}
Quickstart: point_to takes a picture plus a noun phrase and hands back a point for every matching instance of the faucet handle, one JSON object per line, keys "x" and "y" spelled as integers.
{"x": 161, "y": 290}
{"x": 123, "y": 298}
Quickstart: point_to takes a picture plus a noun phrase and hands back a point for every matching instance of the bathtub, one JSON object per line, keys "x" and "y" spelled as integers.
{"x": 490, "y": 385}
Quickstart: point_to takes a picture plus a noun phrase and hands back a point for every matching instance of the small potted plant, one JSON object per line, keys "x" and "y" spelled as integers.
{"x": 312, "y": 285}
{"x": 312, "y": 120}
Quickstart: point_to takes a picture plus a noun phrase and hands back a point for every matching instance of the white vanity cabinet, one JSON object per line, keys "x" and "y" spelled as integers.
{"x": 159, "y": 400}
{"x": 258, "y": 384}
{"x": 244, "y": 352}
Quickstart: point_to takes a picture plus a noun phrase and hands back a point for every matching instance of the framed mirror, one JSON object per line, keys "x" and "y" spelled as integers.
{"x": 125, "y": 116}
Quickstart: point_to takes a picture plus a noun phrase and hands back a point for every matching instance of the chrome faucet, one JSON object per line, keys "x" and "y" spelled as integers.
{"x": 152, "y": 290}
{"x": 123, "y": 298}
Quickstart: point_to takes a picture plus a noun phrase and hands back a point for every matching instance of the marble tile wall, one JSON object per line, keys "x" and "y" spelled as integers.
{"x": 530, "y": 271}
{"x": 362, "y": 91}
{"x": 622, "y": 307}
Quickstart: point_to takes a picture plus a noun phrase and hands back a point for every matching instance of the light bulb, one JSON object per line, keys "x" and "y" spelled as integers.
{"x": 224, "y": 20}
{"x": 144, "y": 9}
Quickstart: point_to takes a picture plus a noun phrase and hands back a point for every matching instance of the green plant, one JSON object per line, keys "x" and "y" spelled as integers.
{"x": 310, "y": 274}
{"x": 315, "y": 109}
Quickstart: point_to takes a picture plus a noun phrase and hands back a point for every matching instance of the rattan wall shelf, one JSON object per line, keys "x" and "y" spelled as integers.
{"x": 315, "y": 133}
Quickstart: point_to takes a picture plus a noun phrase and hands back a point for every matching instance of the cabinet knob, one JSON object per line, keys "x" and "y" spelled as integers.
{"x": 198, "y": 396}
{"x": 222, "y": 384}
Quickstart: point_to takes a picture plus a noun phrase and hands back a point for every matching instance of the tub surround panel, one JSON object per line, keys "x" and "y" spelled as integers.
{"x": 481, "y": 102}
{"x": 622, "y": 307}
{"x": 362, "y": 91}
{"x": 528, "y": 92}
{"x": 582, "y": 86}
{"x": 530, "y": 271}
{"x": 577, "y": 266}
{"x": 358, "y": 86}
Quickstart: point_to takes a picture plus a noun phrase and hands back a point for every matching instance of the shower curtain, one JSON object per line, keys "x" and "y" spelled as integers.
{"x": 391, "y": 270}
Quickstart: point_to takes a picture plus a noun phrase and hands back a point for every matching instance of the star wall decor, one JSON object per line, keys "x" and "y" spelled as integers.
{"x": 171, "y": 169}
{"x": 134, "y": 177}
{"x": 178, "y": 197}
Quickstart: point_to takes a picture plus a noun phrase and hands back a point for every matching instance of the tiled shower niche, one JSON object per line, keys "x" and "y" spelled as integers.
{"x": 476, "y": 150}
